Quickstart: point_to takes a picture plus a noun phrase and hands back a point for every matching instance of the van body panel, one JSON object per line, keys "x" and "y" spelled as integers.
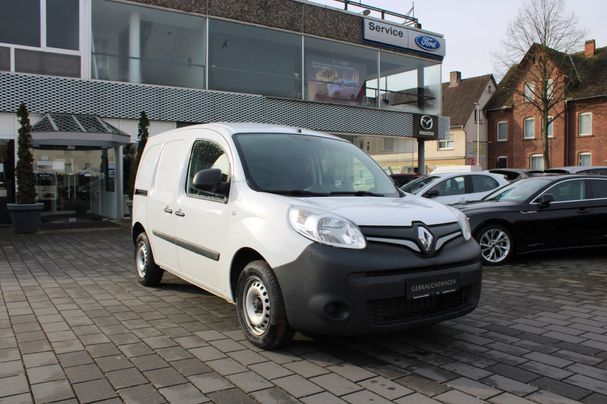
{"x": 161, "y": 204}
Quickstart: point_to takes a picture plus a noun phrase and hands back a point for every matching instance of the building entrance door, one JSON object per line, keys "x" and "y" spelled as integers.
{"x": 75, "y": 184}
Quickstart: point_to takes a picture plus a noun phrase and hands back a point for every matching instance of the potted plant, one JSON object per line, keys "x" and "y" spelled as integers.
{"x": 142, "y": 138}
{"x": 25, "y": 214}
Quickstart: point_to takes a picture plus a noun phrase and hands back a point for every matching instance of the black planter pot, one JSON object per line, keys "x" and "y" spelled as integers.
{"x": 25, "y": 216}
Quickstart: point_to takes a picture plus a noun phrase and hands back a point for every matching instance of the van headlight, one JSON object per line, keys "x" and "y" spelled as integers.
{"x": 463, "y": 222}
{"x": 326, "y": 228}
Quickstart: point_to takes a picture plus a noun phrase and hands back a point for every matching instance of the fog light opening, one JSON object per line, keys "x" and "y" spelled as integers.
{"x": 337, "y": 310}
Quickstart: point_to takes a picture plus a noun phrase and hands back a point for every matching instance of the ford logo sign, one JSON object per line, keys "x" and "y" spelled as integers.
{"x": 427, "y": 42}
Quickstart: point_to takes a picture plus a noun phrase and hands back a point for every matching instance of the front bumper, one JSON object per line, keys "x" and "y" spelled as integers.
{"x": 337, "y": 291}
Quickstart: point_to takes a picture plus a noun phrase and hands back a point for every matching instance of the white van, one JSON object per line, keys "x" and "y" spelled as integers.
{"x": 275, "y": 220}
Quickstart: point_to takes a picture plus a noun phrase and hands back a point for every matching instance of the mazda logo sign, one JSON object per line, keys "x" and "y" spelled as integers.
{"x": 426, "y": 122}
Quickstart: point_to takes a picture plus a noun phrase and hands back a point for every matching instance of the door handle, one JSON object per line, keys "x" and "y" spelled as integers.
{"x": 179, "y": 213}
{"x": 582, "y": 211}
{"x": 168, "y": 210}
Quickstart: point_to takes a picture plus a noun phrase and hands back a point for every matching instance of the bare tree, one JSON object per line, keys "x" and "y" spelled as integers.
{"x": 537, "y": 56}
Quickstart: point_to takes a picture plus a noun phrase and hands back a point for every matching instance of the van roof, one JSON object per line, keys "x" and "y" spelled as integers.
{"x": 232, "y": 128}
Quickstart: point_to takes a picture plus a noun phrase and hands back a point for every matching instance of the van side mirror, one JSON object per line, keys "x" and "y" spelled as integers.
{"x": 431, "y": 193}
{"x": 544, "y": 201}
{"x": 207, "y": 180}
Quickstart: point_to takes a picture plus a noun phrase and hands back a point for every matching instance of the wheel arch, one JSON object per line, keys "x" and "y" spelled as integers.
{"x": 136, "y": 231}
{"x": 239, "y": 262}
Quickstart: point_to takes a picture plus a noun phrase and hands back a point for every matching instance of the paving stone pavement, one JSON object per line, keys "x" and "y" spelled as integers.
{"x": 75, "y": 326}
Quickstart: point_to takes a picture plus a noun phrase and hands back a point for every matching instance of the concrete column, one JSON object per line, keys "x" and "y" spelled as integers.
{"x": 118, "y": 181}
{"x": 421, "y": 157}
{"x": 421, "y": 91}
{"x": 134, "y": 48}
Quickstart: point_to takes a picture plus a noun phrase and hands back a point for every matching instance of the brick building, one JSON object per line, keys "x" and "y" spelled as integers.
{"x": 577, "y": 134}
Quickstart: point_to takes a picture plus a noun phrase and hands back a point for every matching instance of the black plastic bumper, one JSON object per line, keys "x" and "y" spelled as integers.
{"x": 338, "y": 291}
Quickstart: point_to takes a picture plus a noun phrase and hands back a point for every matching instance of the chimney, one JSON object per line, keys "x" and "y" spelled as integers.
{"x": 590, "y": 48}
{"x": 455, "y": 78}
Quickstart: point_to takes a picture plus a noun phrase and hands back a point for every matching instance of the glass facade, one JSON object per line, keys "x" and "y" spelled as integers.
{"x": 20, "y": 22}
{"x": 409, "y": 84}
{"x": 339, "y": 73}
{"x": 144, "y": 45}
{"x": 62, "y": 29}
{"x": 254, "y": 60}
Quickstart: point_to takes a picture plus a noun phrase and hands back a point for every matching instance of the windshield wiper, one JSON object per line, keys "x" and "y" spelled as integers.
{"x": 355, "y": 193}
{"x": 295, "y": 192}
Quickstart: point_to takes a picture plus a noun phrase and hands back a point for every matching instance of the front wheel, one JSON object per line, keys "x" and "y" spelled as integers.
{"x": 148, "y": 273}
{"x": 260, "y": 307}
{"x": 497, "y": 244}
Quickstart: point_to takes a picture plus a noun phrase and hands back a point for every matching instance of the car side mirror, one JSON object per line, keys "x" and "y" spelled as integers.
{"x": 544, "y": 201}
{"x": 207, "y": 180}
{"x": 432, "y": 193}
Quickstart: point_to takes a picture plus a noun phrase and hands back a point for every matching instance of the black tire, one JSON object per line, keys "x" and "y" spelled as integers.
{"x": 148, "y": 273}
{"x": 497, "y": 244}
{"x": 260, "y": 307}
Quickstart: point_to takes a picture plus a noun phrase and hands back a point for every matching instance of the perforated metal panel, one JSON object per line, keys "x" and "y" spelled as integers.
{"x": 44, "y": 94}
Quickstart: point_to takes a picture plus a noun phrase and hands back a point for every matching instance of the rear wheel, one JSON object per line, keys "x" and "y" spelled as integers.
{"x": 497, "y": 244}
{"x": 148, "y": 273}
{"x": 260, "y": 307}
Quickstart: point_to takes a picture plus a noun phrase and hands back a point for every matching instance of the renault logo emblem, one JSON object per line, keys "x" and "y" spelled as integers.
{"x": 426, "y": 122}
{"x": 425, "y": 237}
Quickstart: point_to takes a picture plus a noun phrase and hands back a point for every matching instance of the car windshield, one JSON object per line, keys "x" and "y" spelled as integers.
{"x": 415, "y": 185}
{"x": 304, "y": 165}
{"x": 518, "y": 191}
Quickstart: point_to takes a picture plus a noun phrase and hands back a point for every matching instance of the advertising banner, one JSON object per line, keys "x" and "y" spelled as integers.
{"x": 403, "y": 37}
{"x": 335, "y": 80}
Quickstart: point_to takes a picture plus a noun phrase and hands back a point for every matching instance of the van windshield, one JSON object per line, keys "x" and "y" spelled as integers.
{"x": 304, "y": 165}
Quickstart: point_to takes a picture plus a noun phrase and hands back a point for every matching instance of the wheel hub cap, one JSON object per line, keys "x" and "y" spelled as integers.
{"x": 256, "y": 306}
{"x": 495, "y": 245}
{"x": 141, "y": 259}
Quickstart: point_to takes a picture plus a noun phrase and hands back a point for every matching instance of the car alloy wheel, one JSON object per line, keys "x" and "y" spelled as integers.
{"x": 496, "y": 245}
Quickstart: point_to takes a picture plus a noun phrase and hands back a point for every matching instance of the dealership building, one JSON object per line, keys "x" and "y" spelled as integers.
{"x": 86, "y": 69}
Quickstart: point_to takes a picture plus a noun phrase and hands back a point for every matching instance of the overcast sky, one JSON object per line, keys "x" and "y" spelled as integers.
{"x": 475, "y": 29}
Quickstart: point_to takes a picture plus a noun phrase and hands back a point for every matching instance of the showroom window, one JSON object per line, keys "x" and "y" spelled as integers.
{"x": 254, "y": 60}
{"x": 585, "y": 159}
{"x": 169, "y": 47}
{"x": 585, "y": 124}
{"x": 502, "y": 131}
{"x": 56, "y": 35}
{"x": 529, "y": 128}
{"x": 340, "y": 73}
{"x": 409, "y": 84}
{"x": 388, "y": 144}
{"x": 537, "y": 162}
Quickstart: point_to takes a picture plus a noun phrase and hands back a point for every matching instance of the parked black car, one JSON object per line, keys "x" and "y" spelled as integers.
{"x": 515, "y": 174}
{"x": 540, "y": 213}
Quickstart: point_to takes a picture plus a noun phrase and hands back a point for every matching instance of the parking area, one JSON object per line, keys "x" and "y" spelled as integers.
{"x": 75, "y": 326}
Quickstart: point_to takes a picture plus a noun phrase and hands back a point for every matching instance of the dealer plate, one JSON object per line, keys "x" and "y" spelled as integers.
{"x": 431, "y": 285}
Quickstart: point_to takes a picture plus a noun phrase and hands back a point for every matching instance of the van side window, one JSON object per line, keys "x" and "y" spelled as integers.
{"x": 207, "y": 154}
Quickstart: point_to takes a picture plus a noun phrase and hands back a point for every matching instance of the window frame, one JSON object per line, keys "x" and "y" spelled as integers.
{"x": 584, "y": 185}
{"x": 579, "y": 126}
{"x": 550, "y": 127}
{"x": 525, "y": 137}
{"x": 446, "y": 144}
{"x": 225, "y": 197}
{"x": 541, "y": 156}
{"x": 579, "y": 159}
{"x": 528, "y": 86}
{"x": 502, "y": 158}
{"x": 497, "y": 131}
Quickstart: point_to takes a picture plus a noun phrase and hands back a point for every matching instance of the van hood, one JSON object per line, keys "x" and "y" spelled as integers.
{"x": 382, "y": 211}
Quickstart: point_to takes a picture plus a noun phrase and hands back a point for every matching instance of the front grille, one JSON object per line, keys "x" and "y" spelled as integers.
{"x": 384, "y": 311}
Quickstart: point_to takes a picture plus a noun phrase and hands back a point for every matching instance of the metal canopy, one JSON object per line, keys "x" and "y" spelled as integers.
{"x": 77, "y": 130}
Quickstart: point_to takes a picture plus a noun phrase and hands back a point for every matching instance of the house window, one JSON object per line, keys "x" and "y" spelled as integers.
{"x": 585, "y": 159}
{"x": 536, "y": 162}
{"x": 550, "y": 125}
{"x": 502, "y": 131}
{"x": 529, "y": 128}
{"x": 585, "y": 124}
{"x": 528, "y": 91}
{"x": 446, "y": 144}
{"x": 549, "y": 89}
{"x": 502, "y": 162}
{"x": 388, "y": 143}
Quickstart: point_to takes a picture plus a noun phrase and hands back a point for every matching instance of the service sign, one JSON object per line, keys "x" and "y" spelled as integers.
{"x": 403, "y": 37}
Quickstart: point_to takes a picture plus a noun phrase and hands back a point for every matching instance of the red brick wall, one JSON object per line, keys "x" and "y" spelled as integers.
{"x": 597, "y": 142}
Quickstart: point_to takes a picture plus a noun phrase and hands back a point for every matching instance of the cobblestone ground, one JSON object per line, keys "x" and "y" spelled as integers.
{"x": 76, "y": 326}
